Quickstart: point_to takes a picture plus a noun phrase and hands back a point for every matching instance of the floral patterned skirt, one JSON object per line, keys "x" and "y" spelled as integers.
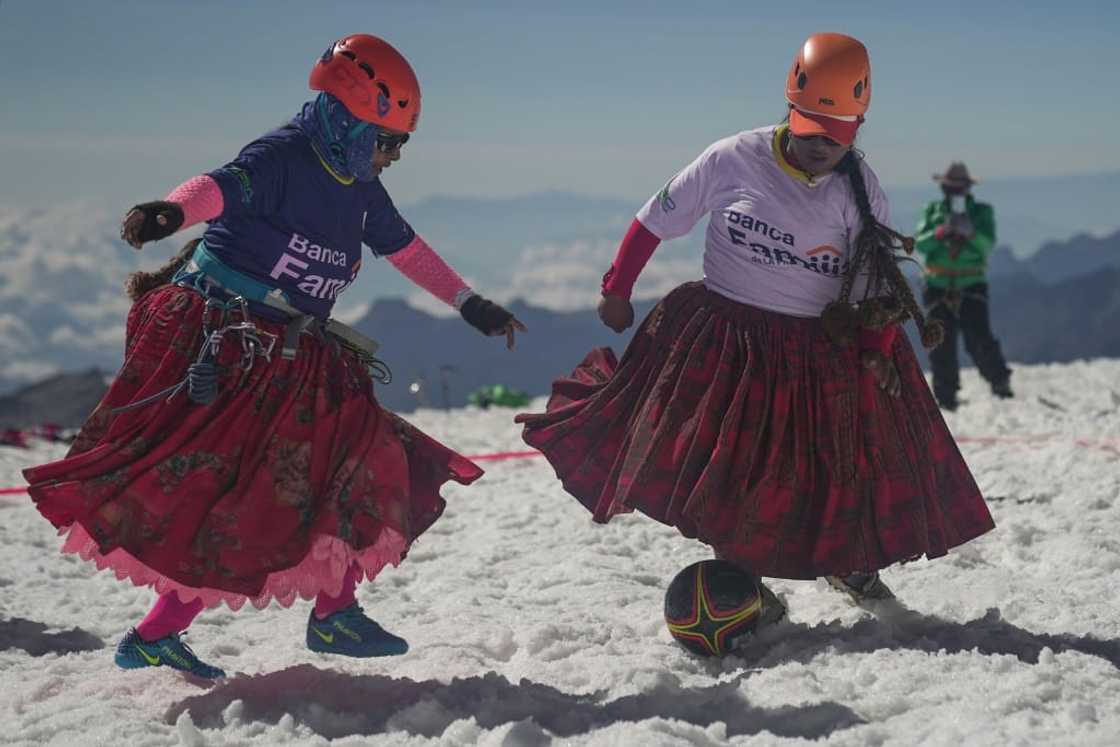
{"x": 753, "y": 432}
{"x": 293, "y": 475}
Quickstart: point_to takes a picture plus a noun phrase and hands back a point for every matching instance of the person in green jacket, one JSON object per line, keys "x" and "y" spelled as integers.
{"x": 955, "y": 236}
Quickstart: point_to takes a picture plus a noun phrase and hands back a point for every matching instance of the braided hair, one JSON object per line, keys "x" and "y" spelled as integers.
{"x": 888, "y": 298}
{"x": 140, "y": 282}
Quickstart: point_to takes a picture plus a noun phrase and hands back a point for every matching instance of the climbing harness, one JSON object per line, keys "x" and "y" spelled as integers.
{"x": 952, "y": 298}
{"x": 234, "y": 294}
{"x": 201, "y": 381}
{"x": 950, "y": 272}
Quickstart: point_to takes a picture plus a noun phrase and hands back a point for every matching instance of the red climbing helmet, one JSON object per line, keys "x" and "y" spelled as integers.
{"x": 372, "y": 79}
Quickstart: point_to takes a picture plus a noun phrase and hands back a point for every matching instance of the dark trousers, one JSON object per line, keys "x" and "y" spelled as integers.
{"x": 965, "y": 310}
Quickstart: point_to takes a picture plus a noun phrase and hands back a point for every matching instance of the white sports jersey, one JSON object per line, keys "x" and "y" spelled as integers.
{"x": 776, "y": 239}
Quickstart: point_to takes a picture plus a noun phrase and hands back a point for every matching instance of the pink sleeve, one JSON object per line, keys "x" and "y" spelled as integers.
{"x": 419, "y": 263}
{"x": 880, "y": 339}
{"x": 633, "y": 254}
{"x": 201, "y": 199}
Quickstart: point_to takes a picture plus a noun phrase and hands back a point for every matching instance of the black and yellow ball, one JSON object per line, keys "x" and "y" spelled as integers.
{"x": 710, "y": 604}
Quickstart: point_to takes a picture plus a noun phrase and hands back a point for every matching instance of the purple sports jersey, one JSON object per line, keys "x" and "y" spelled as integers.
{"x": 292, "y": 224}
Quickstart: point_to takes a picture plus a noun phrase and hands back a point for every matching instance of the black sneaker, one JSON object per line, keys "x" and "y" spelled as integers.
{"x": 1002, "y": 389}
{"x": 948, "y": 404}
{"x": 862, "y": 587}
{"x": 773, "y": 610}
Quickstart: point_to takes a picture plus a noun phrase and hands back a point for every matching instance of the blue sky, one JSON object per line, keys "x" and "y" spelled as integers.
{"x": 122, "y": 100}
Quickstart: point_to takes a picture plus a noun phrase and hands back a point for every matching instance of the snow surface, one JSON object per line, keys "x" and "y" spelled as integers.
{"x": 532, "y": 626}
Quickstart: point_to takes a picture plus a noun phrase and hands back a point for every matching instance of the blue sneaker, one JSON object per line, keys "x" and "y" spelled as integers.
{"x": 133, "y": 652}
{"x": 350, "y": 633}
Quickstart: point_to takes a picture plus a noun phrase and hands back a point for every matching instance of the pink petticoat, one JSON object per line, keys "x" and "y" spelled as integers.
{"x": 322, "y": 570}
{"x": 293, "y": 475}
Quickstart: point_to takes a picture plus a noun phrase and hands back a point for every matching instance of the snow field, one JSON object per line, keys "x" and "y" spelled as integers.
{"x": 530, "y": 625}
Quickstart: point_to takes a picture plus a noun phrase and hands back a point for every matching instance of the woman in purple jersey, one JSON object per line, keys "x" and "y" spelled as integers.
{"x": 240, "y": 454}
{"x": 772, "y": 410}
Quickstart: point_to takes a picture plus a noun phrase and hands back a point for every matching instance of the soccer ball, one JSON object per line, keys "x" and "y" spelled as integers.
{"x": 710, "y": 604}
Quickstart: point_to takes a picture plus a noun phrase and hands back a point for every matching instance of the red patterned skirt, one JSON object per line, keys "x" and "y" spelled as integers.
{"x": 294, "y": 474}
{"x": 747, "y": 429}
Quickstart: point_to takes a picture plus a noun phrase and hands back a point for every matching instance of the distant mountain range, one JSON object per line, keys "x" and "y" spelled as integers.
{"x": 64, "y": 399}
{"x": 62, "y": 308}
{"x": 1076, "y": 317}
{"x": 1056, "y": 261}
{"x": 1036, "y": 320}
{"x": 1030, "y": 212}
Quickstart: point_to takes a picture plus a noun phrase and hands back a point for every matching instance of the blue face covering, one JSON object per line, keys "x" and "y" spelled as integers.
{"x": 345, "y": 142}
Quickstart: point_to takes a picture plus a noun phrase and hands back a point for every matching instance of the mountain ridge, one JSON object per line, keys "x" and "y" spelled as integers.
{"x": 62, "y": 307}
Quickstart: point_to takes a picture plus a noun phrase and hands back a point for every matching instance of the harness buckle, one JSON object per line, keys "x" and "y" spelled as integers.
{"x": 296, "y": 327}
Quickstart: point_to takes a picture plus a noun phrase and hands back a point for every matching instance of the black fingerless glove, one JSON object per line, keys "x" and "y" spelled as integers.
{"x": 485, "y": 316}
{"x": 152, "y": 230}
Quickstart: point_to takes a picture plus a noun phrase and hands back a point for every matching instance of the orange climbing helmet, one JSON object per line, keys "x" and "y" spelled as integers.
{"x": 829, "y": 87}
{"x": 372, "y": 79}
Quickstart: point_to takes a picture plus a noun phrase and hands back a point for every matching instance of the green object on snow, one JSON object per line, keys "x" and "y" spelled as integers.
{"x": 499, "y": 395}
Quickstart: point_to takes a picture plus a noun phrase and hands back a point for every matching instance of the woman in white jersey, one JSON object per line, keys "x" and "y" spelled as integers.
{"x": 771, "y": 410}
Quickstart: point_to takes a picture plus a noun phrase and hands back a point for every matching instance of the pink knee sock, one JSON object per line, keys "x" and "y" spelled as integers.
{"x": 168, "y": 616}
{"x": 327, "y": 605}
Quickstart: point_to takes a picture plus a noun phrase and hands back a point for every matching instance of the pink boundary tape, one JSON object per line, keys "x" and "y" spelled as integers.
{"x": 1111, "y": 446}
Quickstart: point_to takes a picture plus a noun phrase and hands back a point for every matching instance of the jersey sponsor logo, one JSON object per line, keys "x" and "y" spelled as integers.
{"x": 749, "y": 223}
{"x": 290, "y": 265}
{"x": 823, "y": 249}
{"x": 664, "y": 200}
{"x": 302, "y": 245}
{"x": 243, "y": 180}
{"x": 824, "y": 260}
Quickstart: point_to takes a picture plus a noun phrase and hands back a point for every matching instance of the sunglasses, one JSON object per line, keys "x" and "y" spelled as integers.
{"x": 387, "y": 142}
